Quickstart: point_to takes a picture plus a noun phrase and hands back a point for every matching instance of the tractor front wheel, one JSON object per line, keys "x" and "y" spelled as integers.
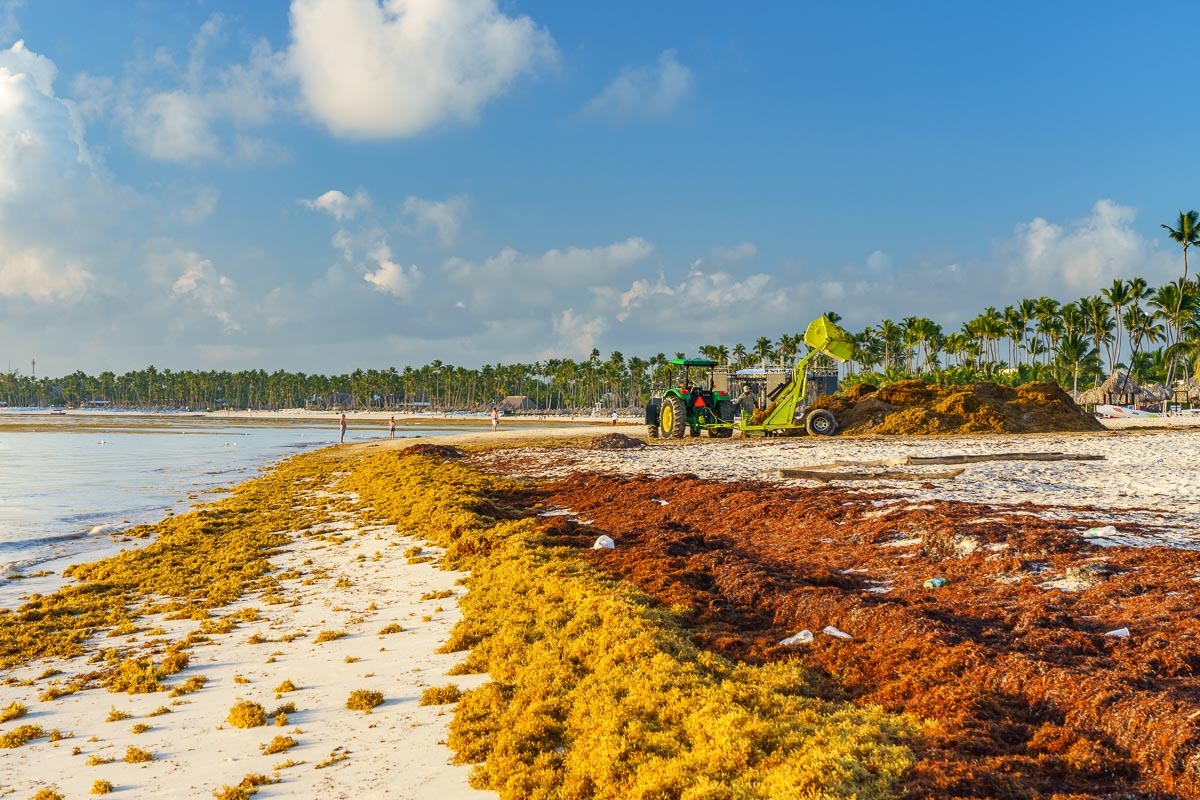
{"x": 673, "y": 417}
{"x": 821, "y": 423}
{"x": 652, "y": 419}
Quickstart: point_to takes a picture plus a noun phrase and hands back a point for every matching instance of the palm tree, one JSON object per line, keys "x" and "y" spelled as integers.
{"x": 891, "y": 334}
{"x": 1186, "y": 235}
{"x": 762, "y": 349}
{"x": 1046, "y": 314}
{"x": 1027, "y": 310}
{"x": 1118, "y": 296}
{"x": 1173, "y": 304}
{"x": 1075, "y": 356}
{"x": 1098, "y": 324}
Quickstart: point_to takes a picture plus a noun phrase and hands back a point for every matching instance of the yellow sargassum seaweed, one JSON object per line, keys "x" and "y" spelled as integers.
{"x": 199, "y": 560}
{"x": 597, "y": 694}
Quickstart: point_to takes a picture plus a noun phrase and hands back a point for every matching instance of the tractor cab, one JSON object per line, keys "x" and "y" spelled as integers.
{"x": 692, "y": 402}
{"x": 695, "y": 380}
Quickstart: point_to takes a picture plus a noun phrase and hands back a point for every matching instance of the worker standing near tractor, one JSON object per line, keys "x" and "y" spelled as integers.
{"x": 746, "y": 403}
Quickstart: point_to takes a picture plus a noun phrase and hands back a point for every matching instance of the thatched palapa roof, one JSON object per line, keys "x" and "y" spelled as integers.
{"x": 1119, "y": 389}
{"x": 1156, "y": 391}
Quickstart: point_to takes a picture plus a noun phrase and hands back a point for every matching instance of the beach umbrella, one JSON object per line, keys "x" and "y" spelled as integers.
{"x": 1091, "y": 397}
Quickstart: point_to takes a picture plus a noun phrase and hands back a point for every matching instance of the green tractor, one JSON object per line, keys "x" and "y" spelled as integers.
{"x": 692, "y": 404}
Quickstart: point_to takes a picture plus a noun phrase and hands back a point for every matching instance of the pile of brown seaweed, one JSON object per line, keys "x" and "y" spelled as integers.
{"x": 915, "y": 408}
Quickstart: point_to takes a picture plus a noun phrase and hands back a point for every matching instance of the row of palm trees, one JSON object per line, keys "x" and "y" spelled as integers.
{"x": 1075, "y": 343}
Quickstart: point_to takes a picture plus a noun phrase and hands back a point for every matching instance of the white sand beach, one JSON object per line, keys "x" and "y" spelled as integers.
{"x": 395, "y": 751}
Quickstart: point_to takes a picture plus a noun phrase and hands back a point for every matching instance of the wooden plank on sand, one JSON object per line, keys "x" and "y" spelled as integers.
{"x": 875, "y": 475}
{"x": 972, "y": 459}
{"x": 916, "y": 461}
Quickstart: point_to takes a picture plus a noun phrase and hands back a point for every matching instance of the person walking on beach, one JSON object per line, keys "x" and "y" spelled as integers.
{"x": 495, "y": 418}
{"x": 614, "y": 418}
{"x": 392, "y": 427}
{"x": 342, "y": 438}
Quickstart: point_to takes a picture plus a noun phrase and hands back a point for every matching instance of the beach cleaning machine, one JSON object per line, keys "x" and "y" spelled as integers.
{"x": 696, "y": 402}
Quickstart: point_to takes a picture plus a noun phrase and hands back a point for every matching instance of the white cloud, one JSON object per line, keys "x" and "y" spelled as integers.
{"x": 50, "y": 195}
{"x": 576, "y": 334}
{"x": 370, "y": 69}
{"x": 338, "y": 205}
{"x": 9, "y": 26}
{"x": 201, "y": 207}
{"x": 652, "y": 92}
{"x": 445, "y": 217}
{"x": 193, "y": 112}
{"x": 19, "y": 59}
{"x": 394, "y": 279}
{"x": 879, "y": 263}
{"x": 41, "y": 141}
{"x": 544, "y": 281}
{"x": 173, "y": 126}
{"x": 42, "y": 276}
{"x": 699, "y": 295}
{"x": 743, "y": 251}
{"x": 1082, "y": 257}
{"x": 197, "y": 285}
{"x": 390, "y": 277}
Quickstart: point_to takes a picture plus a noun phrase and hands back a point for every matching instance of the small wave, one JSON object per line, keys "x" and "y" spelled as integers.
{"x": 12, "y": 545}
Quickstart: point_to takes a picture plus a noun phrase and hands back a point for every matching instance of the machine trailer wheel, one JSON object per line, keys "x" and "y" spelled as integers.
{"x": 821, "y": 423}
{"x": 673, "y": 418}
{"x": 725, "y": 412}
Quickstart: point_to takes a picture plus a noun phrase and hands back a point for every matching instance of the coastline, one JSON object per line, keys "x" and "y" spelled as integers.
{"x": 350, "y": 571}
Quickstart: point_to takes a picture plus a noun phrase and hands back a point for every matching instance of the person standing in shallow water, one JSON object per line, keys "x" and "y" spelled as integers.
{"x": 495, "y": 418}
{"x": 342, "y": 438}
{"x": 392, "y": 428}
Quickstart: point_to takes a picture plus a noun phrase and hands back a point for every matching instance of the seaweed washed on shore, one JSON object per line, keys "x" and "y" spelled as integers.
{"x": 582, "y": 685}
{"x": 675, "y": 663}
{"x": 1044, "y": 663}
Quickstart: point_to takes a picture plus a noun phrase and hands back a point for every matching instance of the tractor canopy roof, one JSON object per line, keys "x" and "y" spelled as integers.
{"x": 693, "y": 362}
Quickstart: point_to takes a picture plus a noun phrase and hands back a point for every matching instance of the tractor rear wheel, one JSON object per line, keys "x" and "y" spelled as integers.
{"x": 673, "y": 417}
{"x": 821, "y": 423}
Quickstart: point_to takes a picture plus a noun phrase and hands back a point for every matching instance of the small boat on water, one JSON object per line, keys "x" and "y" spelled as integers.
{"x": 58, "y": 412}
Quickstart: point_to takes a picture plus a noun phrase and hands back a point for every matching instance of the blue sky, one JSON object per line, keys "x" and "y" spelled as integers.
{"x": 329, "y": 184}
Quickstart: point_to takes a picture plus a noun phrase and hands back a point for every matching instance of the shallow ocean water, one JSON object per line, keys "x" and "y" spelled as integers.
{"x": 67, "y": 482}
